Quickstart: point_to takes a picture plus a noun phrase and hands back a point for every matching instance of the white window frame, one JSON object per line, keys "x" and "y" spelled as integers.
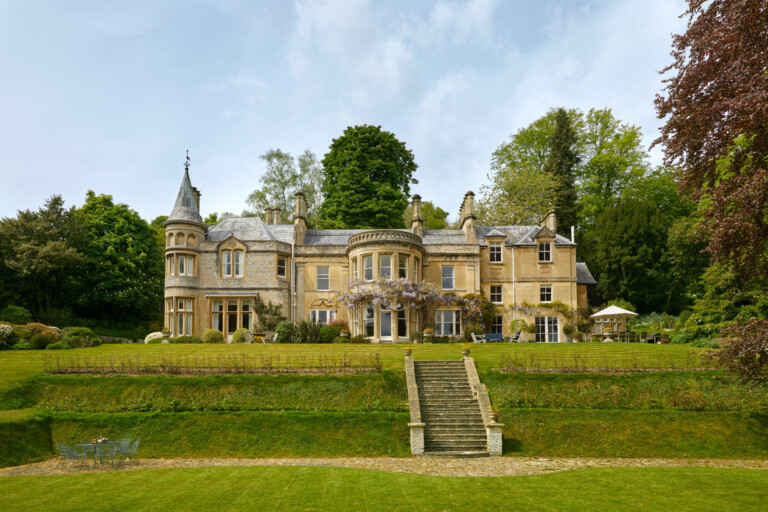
{"x": 321, "y": 316}
{"x": 447, "y": 320}
{"x": 354, "y": 268}
{"x": 496, "y": 252}
{"x": 238, "y": 258}
{"x": 545, "y": 293}
{"x": 226, "y": 263}
{"x": 388, "y": 273}
{"x": 402, "y": 333}
{"x": 416, "y": 263}
{"x": 402, "y": 267}
{"x": 368, "y": 312}
{"x": 547, "y": 329}
{"x": 498, "y": 291}
{"x": 368, "y": 267}
{"x": 545, "y": 252}
{"x": 325, "y": 278}
{"x": 447, "y": 279}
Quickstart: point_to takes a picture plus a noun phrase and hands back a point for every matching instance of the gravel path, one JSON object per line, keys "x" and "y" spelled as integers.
{"x": 435, "y": 466}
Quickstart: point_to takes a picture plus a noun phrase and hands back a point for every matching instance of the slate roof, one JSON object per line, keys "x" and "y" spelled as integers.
{"x": 516, "y": 235}
{"x": 443, "y": 237}
{"x": 583, "y": 275}
{"x": 330, "y": 236}
{"x": 247, "y": 229}
{"x": 185, "y": 208}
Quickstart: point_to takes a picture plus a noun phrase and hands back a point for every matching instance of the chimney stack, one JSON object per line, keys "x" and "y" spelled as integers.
{"x": 417, "y": 223}
{"x": 467, "y": 218}
{"x": 300, "y": 223}
{"x": 550, "y": 221}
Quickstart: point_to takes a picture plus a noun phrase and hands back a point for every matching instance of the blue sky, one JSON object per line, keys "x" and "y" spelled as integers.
{"x": 108, "y": 96}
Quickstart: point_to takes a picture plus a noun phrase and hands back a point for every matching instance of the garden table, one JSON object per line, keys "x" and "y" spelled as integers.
{"x": 98, "y": 449}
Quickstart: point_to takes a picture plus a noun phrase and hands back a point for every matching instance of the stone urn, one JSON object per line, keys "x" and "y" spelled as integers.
{"x": 465, "y": 352}
{"x": 407, "y": 352}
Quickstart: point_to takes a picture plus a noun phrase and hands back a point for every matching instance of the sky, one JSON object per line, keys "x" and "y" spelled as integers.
{"x": 108, "y": 96}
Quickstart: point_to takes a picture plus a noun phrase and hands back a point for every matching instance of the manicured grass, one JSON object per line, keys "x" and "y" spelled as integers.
{"x": 363, "y": 392}
{"x": 341, "y": 489}
{"x": 622, "y": 433}
{"x": 688, "y": 391}
{"x": 17, "y": 365}
{"x": 24, "y": 439}
{"x": 246, "y": 434}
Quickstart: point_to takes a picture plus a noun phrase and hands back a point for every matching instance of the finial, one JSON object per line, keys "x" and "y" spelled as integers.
{"x": 186, "y": 164}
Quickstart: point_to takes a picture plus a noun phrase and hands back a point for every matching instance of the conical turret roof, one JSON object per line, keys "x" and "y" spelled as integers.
{"x": 185, "y": 208}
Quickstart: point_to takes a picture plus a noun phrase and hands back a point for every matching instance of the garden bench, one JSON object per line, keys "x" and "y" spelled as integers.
{"x": 493, "y": 337}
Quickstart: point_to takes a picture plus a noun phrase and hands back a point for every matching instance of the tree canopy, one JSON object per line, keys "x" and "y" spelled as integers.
{"x": 561, "y": 164}
{"x": 434, "y": 216}
{"x": 282, "y": 180}
{"x": 716, "y": 130}
{"x": 368, "y": 173}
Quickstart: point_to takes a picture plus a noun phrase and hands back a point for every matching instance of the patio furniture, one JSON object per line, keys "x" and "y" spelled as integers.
{"x": 131, "y": 449}
{"x": 477, "y": 339}
{"x": 247, "y": 337}
{"x": 494, "y": 337}
{"x": 107, "y": 450}
{"x": 269, "y": 337}
{"x": 70, "y": 453}
{"x": 516, "y": 337}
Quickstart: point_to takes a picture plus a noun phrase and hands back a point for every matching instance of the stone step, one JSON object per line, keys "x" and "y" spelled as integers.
{"x": 433, "y": 437}
{"x": 457, "y": 454}
{"x": 455, "y": 447}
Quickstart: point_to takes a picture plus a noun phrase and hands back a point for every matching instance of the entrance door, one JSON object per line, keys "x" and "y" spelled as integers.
{"x": 231, "y": 319}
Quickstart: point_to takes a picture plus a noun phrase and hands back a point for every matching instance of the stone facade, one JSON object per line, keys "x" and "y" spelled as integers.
{"x": 214, "y": 272}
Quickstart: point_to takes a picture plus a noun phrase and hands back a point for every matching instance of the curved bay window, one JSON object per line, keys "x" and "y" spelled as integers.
{"x": 180, "y": 316}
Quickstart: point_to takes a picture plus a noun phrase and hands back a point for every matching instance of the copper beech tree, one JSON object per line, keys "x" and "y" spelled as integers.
{"x": 716, "y": 131}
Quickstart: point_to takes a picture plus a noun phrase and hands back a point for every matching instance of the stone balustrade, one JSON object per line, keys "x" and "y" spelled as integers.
{"x": 383, "y": 236}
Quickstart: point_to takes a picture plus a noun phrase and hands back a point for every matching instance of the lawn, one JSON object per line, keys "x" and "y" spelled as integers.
{"x": 340, "y": 489}
{"x": 17, "y": 365}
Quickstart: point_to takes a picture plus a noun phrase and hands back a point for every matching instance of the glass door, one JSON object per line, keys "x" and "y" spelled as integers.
{"x": 385, "y": 326}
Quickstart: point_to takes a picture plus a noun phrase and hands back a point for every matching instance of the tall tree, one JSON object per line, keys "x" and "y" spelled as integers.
{"x": 124, "y": 274}
{"x": 282, "y": 180}
{"x": 41, "y": 255}
{"x": 434, "y": 216}
{"x": 719, "y": 92}
{"x": 561, "y": 164}
{"x": 631, "y": 243}
{"x": 368, "y": 174}
{"x": 516, "y": 195}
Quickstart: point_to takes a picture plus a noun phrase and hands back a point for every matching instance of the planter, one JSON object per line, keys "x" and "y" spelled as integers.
{"x": 407, "y": 352}
{"x": 465, "y": 352}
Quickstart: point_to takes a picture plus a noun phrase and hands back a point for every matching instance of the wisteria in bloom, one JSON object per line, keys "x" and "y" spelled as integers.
{"x": 398, "y": 294}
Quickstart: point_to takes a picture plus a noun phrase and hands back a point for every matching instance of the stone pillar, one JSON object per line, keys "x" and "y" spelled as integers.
{"x": 494, "y": 432}
{"x": 417, "y": 438}
{"x": 417, "y": 223}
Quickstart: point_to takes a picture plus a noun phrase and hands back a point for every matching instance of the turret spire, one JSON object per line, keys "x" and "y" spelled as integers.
{"x": 187, "y": 207}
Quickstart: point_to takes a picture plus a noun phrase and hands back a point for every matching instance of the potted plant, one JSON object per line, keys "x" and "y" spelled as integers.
{"x": 569, "y": 330}
{"x": 407, "y": 351}
{"x": 428, "y": 334}
{"x": 344, "y": 333}
{"x": 465, "y": 349}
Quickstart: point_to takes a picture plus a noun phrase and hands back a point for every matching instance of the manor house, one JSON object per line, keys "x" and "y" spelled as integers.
{"x": 212, "y": 273}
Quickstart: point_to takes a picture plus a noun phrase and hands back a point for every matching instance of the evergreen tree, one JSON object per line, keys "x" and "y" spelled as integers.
{"x": 563, "y": 159}
{"x": 368, "y": 173}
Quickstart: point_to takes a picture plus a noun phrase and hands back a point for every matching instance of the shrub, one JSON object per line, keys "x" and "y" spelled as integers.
{"x": 59, "y": 345}
{"x": 20, "y": 334}
{"x": 15, "y": 315}
{"x": 154, "y": 341}
{"x": 569, "y": 330}
{"x": 474, "y": 329}
{"x": 80, "y": 337}
{"x": 285, "y": 332}
{"x": 59, "y": 316}
{"x": 40, "y": 341}
{"x": 36, "y": 328}
{"x": 680, "y": 337}
{"x": 684, "y": 316}
{"x": 153, "y": 336}
{"x": 358, "y": 339}
{"x": 328, "y": 333}
{"x": 706, "y": 343}
{"x": 213, "y": 336}
{"x": 308, "y": 332}
{"x": 341, "y": 324}
{"x": 186, "y": 339}
{"x": 238, "y": 336}
{"x": 746, "y": 351}
{"x": 6, "y": 335}
{"x": 22, "y": 346}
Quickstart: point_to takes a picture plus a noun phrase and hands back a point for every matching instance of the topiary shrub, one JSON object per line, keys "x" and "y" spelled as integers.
{"x": 213, "y": 336}
{"x": 40, "y": 341}
{"x": 238, "y": 336}
{"x": 22, "y": 346}
{"x": 186, "y": 339}
{"x": 15, "y": 315}
{"x": 153, "y": 336}
{"x": 6, "y": 335}
{"x": 328, "y": 333}
{"x": 80, "y": 337}
{"x": 59, "y": 345}
{"x": 285, "y": 332}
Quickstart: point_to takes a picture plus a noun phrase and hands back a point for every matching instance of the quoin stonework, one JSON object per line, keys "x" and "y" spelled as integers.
{"x": 212, "y": 273}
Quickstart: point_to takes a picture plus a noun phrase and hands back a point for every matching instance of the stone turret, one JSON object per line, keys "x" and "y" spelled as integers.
{"x": 187, "y": 206}
{"x": 417, "y": 223}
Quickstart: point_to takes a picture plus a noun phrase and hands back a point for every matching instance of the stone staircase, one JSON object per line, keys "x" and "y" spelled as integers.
{"x": 453, "y": 422}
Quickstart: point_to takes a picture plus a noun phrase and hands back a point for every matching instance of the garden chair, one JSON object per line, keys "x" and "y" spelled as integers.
{"x": 69, "y": 452}
{"x": 516, "y": 337}
{"x": 248, "y": 337}
{"x": 269, "y": 337}
{"x": 477, "y": 339}
{"x": 106, "y": 451}
{"x": 131, "y": 449}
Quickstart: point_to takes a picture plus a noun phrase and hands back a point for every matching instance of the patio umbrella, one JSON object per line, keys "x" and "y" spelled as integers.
{"x": 617, "y": 313}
